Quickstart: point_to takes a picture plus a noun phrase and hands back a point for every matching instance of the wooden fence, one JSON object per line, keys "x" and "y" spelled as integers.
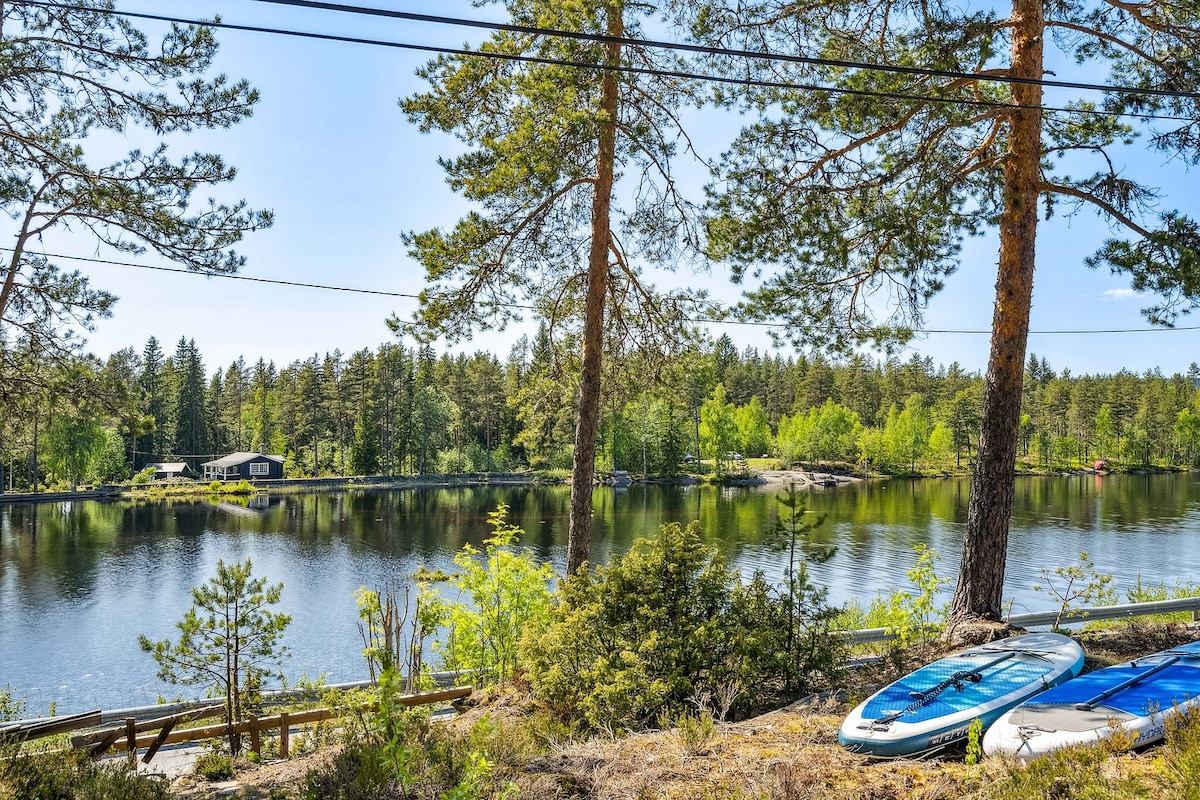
{"x": 153, "y": 734}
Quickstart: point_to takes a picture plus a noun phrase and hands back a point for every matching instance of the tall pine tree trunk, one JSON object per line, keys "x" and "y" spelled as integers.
{"x": 579, "y": 536}
{"x": 979, "y": 592}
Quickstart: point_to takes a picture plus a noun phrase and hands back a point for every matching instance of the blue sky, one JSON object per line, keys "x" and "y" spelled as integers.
{"x": 329, "y": 150}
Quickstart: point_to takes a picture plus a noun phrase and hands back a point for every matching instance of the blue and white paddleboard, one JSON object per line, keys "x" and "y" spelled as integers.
{"x": 935, "y": 706}
{"x": 1133, "y": 697}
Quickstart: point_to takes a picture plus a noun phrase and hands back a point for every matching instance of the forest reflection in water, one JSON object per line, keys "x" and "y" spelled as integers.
{"x": 79, "y": 581}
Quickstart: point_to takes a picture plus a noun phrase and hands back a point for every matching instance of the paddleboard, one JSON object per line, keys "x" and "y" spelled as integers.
{"x": 1133, "y": 697}
{"x": 934, "y": 706}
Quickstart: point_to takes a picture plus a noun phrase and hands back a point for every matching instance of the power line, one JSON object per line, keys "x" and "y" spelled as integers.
{"x": 621, "y": 69}
{"x": 701, "y": 320}
{"x": 722, "y": 51}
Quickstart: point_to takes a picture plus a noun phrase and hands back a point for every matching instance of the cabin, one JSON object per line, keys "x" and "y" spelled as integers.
{"x": 243, "y": 466}
{"x": 164, "y": 470}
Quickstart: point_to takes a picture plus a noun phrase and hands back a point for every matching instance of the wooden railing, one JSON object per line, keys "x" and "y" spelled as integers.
{"x": 152, "y": 734}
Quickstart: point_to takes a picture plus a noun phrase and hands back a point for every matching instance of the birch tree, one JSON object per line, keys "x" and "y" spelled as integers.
{"x": 570, "y": 168}
{"x": 855, "y": 202}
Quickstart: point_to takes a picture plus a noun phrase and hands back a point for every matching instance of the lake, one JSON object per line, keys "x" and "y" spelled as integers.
{"x": 79, "y": 581}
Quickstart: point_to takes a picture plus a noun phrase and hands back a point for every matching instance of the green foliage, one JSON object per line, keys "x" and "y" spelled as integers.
{"x": 693, "y": 730}
{"x": 1072, "y": 772}
{"x": 974, "y": 752}
{"x": 718, "y": 428}
{"x": 229, "y": 640}
{"x": 144, "y": 476}
{"x": 214, "y": 766}
{"x": 807, "y": 617}
{"x": 633, "y": 640}
{"x": 828, "y": 433}
{"x": 913, "y": 616}
{"x": 394, "y": 641}
{"x": 404, "y": 755}
{"x": 107, "y": 462}
{"x": 1180, "y": 756}
{"x": 1077, "y": 583}
{"x": 11, "y": 707}
{"x": 501, "y": 594}
{"x": 74, "y": 776}
{"x": 1156, "y": 592}
{"x": 68, "y": 445}
{"x": 76, "y": 71}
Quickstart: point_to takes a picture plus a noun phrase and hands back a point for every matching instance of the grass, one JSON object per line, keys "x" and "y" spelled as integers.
{"x": 788, "y": 754}
{"x": 155, "y": 491}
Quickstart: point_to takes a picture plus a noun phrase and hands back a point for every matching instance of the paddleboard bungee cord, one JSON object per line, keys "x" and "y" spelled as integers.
{"x": 921, "y": 699}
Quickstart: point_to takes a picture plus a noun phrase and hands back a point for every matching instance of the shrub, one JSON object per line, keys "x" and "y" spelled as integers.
{"x": 64, "y": 776}
{"x": 505, "y": 592}
{"x": 11, "y": 708}
{"x": 633, "y": 641}
{"x": 214, "y": 766}
{"x": 912, "y": 616}
{"x": 404, "y": 755}
{"x": 1077, "y": 583}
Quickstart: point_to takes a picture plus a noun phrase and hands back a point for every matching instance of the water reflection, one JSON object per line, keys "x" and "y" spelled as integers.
{"x": 80, "y": 581}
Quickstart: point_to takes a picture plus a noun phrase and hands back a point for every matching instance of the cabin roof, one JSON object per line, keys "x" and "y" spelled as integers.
{"x": 234, "y": 459}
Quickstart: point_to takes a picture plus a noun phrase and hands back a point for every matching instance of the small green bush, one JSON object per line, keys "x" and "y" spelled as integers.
{"x": 503, "y": 591}
{"x": 357, "y": 772}
{"x": 11, "y": 707}
{"x": 405, "y": 756}
{"x": 214, "y": 766}
{"x": 72, "y": 776}
{"x": 633, "y": 641}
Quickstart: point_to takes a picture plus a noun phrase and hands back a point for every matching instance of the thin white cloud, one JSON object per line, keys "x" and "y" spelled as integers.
{"x": 1120, "y": 294}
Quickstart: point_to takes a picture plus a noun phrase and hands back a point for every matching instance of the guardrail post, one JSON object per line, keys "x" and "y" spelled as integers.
{"x": 255, "y": 739}
{"x": 283, "y": 734}
{"x": 131, "y": 739}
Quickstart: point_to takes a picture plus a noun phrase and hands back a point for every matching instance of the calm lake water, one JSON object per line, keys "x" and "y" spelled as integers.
{"x": 79, "y": 581}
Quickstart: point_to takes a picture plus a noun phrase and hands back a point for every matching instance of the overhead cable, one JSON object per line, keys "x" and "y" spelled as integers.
{"x": 699, "y": 320}
{"x": 723, "y": 51}
{"x": 620, "y": 69}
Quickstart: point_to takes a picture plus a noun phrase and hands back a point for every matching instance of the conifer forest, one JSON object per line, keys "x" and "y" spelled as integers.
{"x": 403, "y": 410}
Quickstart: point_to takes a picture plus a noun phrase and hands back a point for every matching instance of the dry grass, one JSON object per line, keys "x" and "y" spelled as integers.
{"x": 792, "y": 754}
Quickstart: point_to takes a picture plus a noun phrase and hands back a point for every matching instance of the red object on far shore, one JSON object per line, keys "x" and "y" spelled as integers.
{"x": 1099, "y": 465}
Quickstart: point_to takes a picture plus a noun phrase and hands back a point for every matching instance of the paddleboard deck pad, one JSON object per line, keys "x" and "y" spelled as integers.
{"x": 934, "y": 706}
{"x": 1133, "y": 697}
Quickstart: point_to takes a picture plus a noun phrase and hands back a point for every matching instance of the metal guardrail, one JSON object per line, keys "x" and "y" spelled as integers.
{"x": 1043, "y": 618}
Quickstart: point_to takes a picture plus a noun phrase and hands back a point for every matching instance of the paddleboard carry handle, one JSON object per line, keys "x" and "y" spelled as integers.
{"x": 1090, "y": 703}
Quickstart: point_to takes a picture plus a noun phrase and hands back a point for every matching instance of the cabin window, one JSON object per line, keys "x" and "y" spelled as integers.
{"x": 260, "y": 468}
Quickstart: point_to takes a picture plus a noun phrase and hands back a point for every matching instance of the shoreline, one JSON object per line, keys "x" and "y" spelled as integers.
{"x": 803, "y": 478}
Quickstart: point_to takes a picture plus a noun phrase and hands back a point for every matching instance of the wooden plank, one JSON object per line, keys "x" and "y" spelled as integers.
{"x": 255, "y": 737}
{"x": 89, "y": 739}
{"x": 301, "y": 718}
{"x": 101, "y": 746}
{"x": 284, "y": 724}
{"x": 51, "y": 727}
{"x": 158, "y": 741}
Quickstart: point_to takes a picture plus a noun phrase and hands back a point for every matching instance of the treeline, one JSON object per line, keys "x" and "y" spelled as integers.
{"x": 401, "y": 410}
